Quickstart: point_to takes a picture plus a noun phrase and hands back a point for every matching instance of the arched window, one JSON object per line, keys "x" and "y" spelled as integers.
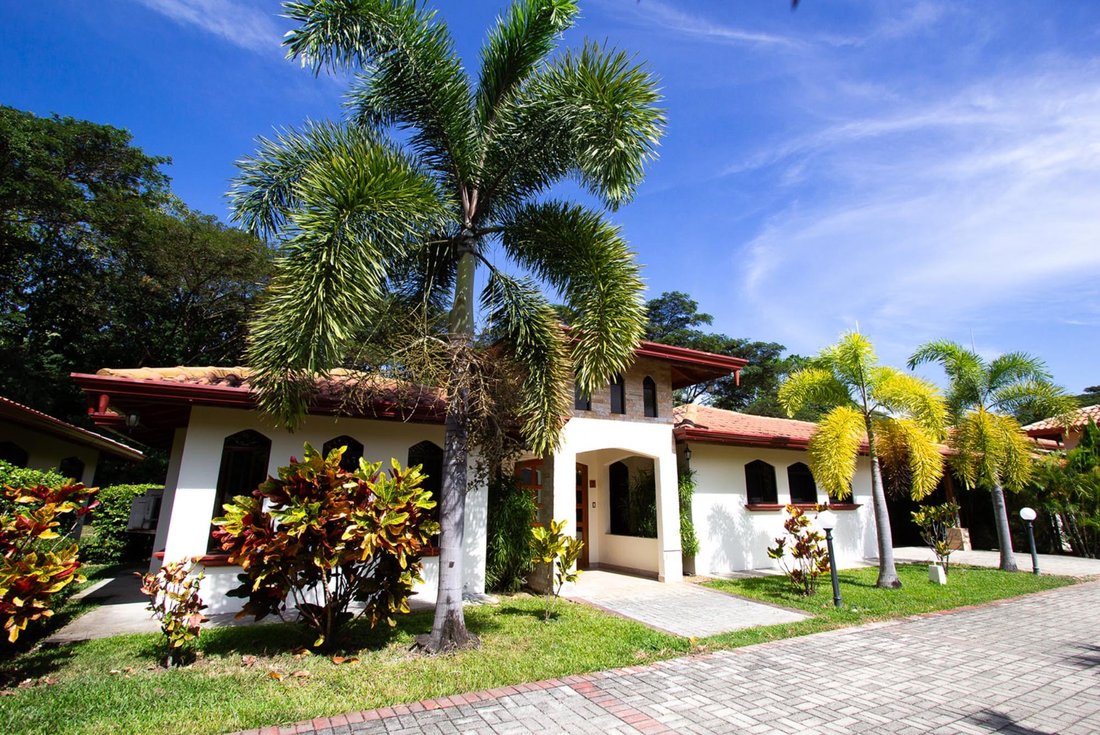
{"x": 243, "y": 468}
{"x": 618, "y": 395}
{"x": 72, "y": 467}
{"x": 581, "y": 402}
{"x": 349, "y": 462}
{"x": 802, "y": 485}
{"x": 430, "y": 458}
{"x": 760, "y": 481}
{"x": 649, "y": 397}
{"x": 12, "y": 452}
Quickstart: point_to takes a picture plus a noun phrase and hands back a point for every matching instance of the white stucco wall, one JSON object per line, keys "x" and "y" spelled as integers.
{"x": 45, "y": 452}
{"x": 733, "y": 538}
{"x": 188, "y": 504}
{"x": 598, "y": 443}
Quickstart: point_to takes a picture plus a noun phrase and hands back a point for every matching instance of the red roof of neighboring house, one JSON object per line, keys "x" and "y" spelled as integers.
{"x": 1052, "y": 426}
{"x": 718, "y": 426}
{"x": 30, "y": 418}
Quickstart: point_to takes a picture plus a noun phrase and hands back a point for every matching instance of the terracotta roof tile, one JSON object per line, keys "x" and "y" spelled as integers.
{"x": 1080, "y": 419}
{"x": 702, "y": 420}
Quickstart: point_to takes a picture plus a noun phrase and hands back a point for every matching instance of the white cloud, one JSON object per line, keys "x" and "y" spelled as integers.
{"x": 240, "y": 23}
{"x": 968, "y": 207}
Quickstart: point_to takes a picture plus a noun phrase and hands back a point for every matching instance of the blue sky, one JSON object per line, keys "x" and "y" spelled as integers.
{"x": 922, "y": 169}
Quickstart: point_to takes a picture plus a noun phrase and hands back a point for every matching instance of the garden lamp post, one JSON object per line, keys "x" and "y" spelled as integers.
{"x": 827, "y": 520}
{"x": 1028, "y": 514}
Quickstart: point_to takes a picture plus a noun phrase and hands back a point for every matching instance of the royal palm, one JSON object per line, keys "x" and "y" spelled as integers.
{"x": 435, "y": 176}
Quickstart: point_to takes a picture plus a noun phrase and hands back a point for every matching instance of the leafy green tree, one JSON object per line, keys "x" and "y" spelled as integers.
{"x": 674, "y": 319}
{"x": 885, "y": 409}
{"x": 383, "y": 233}
{"x": 991, "y": 450}
{"x": 103, "y": 267}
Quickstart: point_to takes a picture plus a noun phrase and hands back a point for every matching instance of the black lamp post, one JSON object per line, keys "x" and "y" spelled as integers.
{"x": 1028, "y": 514}
{"x": 827, "y": 520}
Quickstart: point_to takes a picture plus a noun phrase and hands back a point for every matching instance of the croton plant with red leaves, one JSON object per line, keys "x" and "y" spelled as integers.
{"x": 326, "y": 538}
{"x": 38, "y": 559}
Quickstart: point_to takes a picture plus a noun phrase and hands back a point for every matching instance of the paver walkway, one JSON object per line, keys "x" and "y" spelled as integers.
{"x": 1027, "y": 666}
{"x": 683, "y": 609}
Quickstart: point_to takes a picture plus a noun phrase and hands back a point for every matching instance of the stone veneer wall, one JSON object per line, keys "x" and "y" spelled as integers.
{"x": 635, "y": 411}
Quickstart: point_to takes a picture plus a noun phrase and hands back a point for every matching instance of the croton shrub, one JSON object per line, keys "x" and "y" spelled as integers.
{"x": 800, "y": 553}
{"x": 323, "y": 538}
{"x": 38, "y": 558}
{"x": 173, "y": 593}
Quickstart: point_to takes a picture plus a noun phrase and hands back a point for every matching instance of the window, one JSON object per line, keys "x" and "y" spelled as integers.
{"x": 760, "y": 480}
{"x": 581, "y": 402}
{"x": 632, "y": 492}
{"x": 72, "y": 467}
{"x": 618, "y": 395}
{"x": 430, "y": 458}
{"x": 243, "y": 468}
{"x": 649, "y": 397}
{"x": 354, "y": 452}
{"x": 801, "y": 482}
{"x": 12, "y": 452}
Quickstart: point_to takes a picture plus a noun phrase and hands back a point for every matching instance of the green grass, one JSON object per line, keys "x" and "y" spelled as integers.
{"x": 863, "y": 602}
{"x": 222, "y": 692}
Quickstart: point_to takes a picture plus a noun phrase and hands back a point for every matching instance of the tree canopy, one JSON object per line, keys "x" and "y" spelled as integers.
{"x": 103, "y": 267}
{"x": 674, "y": 319}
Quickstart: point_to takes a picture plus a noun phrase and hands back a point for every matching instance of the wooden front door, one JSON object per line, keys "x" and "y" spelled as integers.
{"x": 582, "y": 513}
{"x": 529, "y": 476}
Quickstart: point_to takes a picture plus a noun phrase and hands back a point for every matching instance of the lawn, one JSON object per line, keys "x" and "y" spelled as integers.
{"x": 113, "y": 685}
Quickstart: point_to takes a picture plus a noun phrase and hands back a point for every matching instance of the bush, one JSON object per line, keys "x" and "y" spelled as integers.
{"x": 328, "y": 537}
{"x": 935, "y": 522}
{"x": 689, "y": 541}
{"x": 174, "y": 600}
{"x": 112, "y": 543}
{"x": 560, "y": 552}
{"x": 508, "y": 528}
{"x": 810, "y": 558}
{"x": 37, "y": 558}
{"x": 15, "y": 476}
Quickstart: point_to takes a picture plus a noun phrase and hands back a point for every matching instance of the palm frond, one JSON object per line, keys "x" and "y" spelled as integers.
{"x": 991, "y": 449}
{"x": 1035, "y": 398}
{"x": 850, "y": 359}
{"x": 521, "y": 40}
{"x": 1016, "y": 367}
{"x": 535, "y": 340}
{"x": 583, "y": 256}
{"x": 909, "y": 396}
{"x": 903, "y": 440}
{"x": 965, "y": 370}
{"x": 833, "y": 450}
{"x": 810, "y": 387}
{"x": 411, "y": 75}
{"x": 351, "y": 215}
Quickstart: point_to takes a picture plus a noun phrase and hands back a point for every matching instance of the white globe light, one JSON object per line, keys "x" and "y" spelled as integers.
{"x": 1028, "y": 514}
{"x": 827, "y": 520}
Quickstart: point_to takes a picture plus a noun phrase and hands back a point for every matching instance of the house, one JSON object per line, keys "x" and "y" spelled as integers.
{"x": 30, "y": 438}
{"x": 613, "y": 477}
{"x": 1053, "y": 430}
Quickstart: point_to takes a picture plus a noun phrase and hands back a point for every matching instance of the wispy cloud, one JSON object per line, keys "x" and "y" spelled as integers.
{"x": 972, "y": 208}
{"x": 672, "y": 19}
{"x": 239, "y": 23}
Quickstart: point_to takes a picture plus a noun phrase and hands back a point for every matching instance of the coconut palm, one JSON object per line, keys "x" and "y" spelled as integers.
{"x": 991, "y": 450}
{"x": 433, "y": 177}
{"x": 879, "y": 408}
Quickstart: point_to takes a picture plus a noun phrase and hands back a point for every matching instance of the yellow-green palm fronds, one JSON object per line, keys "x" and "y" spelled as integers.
{"x": 905, "y": 441}
{"x": 811, "y": 386}
{"x": 834, "y": 448}
{"x": 903, "y": 394}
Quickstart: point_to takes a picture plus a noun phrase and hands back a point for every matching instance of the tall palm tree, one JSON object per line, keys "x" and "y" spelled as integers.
{"x": 991, "y": 450}
{"x": 432, "y": 177}
{"x": 873, "y": 405}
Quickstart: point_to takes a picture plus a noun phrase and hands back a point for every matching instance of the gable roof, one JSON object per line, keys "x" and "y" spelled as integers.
{"x": 719, "y": 426}
{"x": 29, "y": 418}
{"x": 1052, "y": 427}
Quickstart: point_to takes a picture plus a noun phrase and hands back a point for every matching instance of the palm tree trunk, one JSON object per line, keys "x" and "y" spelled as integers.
{"x": 1004, "y": 536}
{"x": 449, "y": 627}
{"x": 887, "y": 571}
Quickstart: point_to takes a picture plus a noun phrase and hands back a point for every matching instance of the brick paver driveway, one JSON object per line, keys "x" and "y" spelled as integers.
{"x": 1026, "y": 666}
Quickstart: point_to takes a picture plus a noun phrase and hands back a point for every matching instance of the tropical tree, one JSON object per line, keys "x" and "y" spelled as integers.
{"x": 893, "y": 414}
{"x": 984, "y": 398}
{"x": 382, "y": 230}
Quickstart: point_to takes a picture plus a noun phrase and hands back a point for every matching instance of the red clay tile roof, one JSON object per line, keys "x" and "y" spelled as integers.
{"x": 705, "y": 423}
{"x": 1052, "y": 425}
